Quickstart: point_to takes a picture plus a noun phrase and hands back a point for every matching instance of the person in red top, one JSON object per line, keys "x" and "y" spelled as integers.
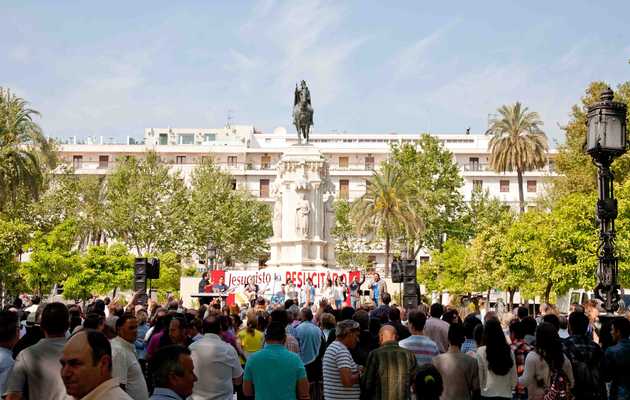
{"x": 520, "y": 348}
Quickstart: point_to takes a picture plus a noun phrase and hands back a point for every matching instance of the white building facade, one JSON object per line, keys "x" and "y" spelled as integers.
{"x": 251, "y": 156}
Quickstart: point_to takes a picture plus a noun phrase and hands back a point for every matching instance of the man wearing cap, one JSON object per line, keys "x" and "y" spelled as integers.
{"x": 274, "y": 373}
{"x": 341, "y": 374}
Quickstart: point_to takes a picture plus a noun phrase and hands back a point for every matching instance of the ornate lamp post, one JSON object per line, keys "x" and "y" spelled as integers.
{"x": 212, "y": 255}
{"x": 606, "y": 140}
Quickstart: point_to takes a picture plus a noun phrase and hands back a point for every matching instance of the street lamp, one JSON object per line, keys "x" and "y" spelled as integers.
{"x": 212, "y": 255}
{"x": 606, "y": 140}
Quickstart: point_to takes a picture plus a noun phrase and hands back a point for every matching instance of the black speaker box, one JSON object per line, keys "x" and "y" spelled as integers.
{"x": 409, "y": 289}
{"x": 409, "y": 268}
{"x": 140, "y": 266}
{"x": 410, "y": 302}
{"x": 153, "y": 269}
{"x": 397, "y": 272}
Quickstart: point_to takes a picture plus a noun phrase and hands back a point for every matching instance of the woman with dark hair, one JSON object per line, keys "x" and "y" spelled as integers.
{"x": 497, "y": 370}
{"x": 545, "y": 362}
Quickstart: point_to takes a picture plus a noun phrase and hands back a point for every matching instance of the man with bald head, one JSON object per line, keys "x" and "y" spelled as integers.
{"x": 86, "y": 368}
{"x": 390, "y": 369}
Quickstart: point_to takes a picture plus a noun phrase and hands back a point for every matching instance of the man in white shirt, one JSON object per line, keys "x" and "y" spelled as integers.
{"x": 36, "y": 370}
{"x": 126, "y": 367}
{"x": 86, "y": 368}
{"x": 216, "y": 364}
{"x": 436, "y": 329}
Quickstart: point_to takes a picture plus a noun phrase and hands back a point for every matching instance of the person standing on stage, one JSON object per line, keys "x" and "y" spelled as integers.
{"x": 379, "y": 287}
{"x": 307, "y": 294}
{"x": 251, "y": 290}
{"x": 202, "y": 288}
{"x": 220, "y": 287}
{"x": 355, "y": 291}
{"x": 291, "y": 291}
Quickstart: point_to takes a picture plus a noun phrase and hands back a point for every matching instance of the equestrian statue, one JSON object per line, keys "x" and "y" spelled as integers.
{"x": 302, "y": 111}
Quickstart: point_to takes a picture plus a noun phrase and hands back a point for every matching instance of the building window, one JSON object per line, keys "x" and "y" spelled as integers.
{"x": 505, "y": 185}
{"x": 264, "y": 188}
{"x": 531, "y": 186}
{"x": 344, "y": 189}
{"x": 232, "y": 160}
{"x": 103, "y": 162}
{"x": 343, "y": 162}
{"x": 209, "y": 137}
{"x": 369, "y": 163}
{"x": 186, "y": 139}
{"x": 180, "y": 160}
{"x": 265, "y": 162}
{"x": 474, "y": 163}
{"x": 233, "y": 184}
{"x": 163, "y": 138}
{"x": 77, "y": 162}
{"x": 477, "y": 184}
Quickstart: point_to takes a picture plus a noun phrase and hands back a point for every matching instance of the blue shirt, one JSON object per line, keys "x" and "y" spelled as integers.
{"x": 616, "y": 365}
{"x": 310, "y": 338}
{"x": 422, "y": 347}
{"x": 141, "y": 346}
{"x": 164, "y": 394}
{"x": 6, "y": 364}
{"x": 275, "y": 372}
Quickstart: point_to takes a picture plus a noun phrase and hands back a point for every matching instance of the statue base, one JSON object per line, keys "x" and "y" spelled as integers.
{"x": 301, "y": 187}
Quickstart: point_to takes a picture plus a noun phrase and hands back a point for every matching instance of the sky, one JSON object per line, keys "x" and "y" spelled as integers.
{"x": 114, "y": 68}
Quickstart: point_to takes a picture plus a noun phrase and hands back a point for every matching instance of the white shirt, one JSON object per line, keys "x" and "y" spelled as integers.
{"x": 108, "y": 390}
{"x": 216, "y": 364}
{"x": 126, "y": 368}
{"x": 37, "y": 367}
{"x": 491, "y": 384}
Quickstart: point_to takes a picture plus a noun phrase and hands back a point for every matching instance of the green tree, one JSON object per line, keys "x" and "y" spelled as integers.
{"x": 235, "y": 222}
{"x": 348, "y": 245}
{"x": 386, "y": 209}
{"x": 170, "y": 274}
{"x": 13, "y": 235}
{"x": 448, "y": 269}
{"x": 147, "y": 206}
{"x": 53, "y": 258}
{"x": 518, "y": 144}
{"x": 25, "y": 154}
{"x": 103, "y": 268}
{"x": 434, "y": 184}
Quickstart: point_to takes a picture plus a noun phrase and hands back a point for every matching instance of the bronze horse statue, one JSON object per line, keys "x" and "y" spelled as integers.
{"x": 302, "y": 111}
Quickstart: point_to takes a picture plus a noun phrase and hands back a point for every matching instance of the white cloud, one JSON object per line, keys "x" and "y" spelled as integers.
{"x": 411, "y": 60}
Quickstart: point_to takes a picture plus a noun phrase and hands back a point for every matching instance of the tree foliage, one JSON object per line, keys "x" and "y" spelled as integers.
{"x": 25, "y": 155}
{"x": 434, "y": 185}
{"x": 235, "y": 222}
{"x": 53, "y": 258}
{"x": 147, "y": 206}
{"x": 13, "y": 236}
{"x": 349, "y": 246}
{"x": 518, "y": 144}
{"x": 102, "y": 269}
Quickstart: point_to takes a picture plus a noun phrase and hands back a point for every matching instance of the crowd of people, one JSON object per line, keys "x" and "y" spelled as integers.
{"x": 267, "y": 351}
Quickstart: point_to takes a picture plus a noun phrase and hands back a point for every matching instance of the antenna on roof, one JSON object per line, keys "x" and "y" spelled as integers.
{"x": 230, "y": 117}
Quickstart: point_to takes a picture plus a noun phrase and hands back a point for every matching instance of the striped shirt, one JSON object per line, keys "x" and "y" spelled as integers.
{"x": 422, "y": 347}
{"x": 337, "y": 356}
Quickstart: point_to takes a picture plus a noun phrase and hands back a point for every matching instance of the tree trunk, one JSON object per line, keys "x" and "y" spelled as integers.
{"x": 521, "y": 196}
{"x": 488, "y": 298}
{"x": 548, "y": 291}
{"x": 511, "y": 302}
{"x": 387, "y": 256}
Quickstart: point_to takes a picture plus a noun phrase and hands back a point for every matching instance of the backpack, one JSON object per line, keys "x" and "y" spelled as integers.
{"x": 586, "y": 372}
{"x": 558, "y": 387}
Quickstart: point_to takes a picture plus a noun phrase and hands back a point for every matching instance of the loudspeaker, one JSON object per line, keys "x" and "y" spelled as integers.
{"x": 140, "y": 266}
{"x": 410, "y": 302}
{"x": 409, "y": 289}
{"x": 140, "y": 274}
{"x": 397, "y": 272}
{"x": 409, "y": 268}
{"x": 140, "y": 283}
{"x": 153, "y": 269}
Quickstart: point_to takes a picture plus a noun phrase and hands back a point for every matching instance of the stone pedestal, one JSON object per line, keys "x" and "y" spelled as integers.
{"x": 303, "y": 213}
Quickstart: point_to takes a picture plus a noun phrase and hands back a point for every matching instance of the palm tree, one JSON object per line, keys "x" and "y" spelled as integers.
{"x": 24, "y": 151}
{"x": 386, "y": 208}
{"x": 518, "y": 143}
